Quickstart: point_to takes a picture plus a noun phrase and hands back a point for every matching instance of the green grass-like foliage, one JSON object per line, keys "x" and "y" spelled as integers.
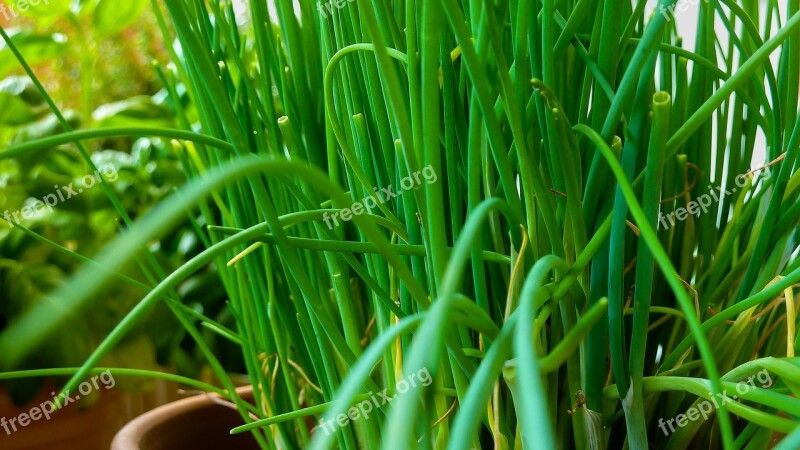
{"x": 548, "y": 277}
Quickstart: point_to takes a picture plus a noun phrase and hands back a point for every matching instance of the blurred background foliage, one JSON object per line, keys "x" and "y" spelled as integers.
{"x": 102, "y": 61}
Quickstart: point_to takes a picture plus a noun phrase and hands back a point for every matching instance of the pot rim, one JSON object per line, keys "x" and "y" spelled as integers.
{"x": 132, "y": 433}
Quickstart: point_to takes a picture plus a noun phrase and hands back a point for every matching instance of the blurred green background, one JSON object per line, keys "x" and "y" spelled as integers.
{"x": 104, "y": 63}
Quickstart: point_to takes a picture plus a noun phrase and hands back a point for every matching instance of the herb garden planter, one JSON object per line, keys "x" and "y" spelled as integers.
{"x": 196, "y": 423}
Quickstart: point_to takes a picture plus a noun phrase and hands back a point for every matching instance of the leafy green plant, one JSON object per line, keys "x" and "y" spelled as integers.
{"x": 32, "y": 264}
{"x": 533, "y": 280}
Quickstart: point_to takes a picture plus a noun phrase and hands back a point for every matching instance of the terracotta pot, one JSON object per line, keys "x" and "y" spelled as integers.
{"x": 195, "y": 423}
{"x": 83, "y": 425}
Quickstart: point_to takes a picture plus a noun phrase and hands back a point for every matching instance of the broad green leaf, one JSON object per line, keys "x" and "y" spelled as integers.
{"x": 135, "y": 111}
{"x": 47, "y": 126}
{"x": 14, "y": 109}
{"x": 41, "y": 8}
{"x": 35, "y": 48}
{"x": 113, "y": 16}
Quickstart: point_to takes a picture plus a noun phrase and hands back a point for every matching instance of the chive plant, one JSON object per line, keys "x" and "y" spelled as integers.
{"x": 598, "y": 236}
